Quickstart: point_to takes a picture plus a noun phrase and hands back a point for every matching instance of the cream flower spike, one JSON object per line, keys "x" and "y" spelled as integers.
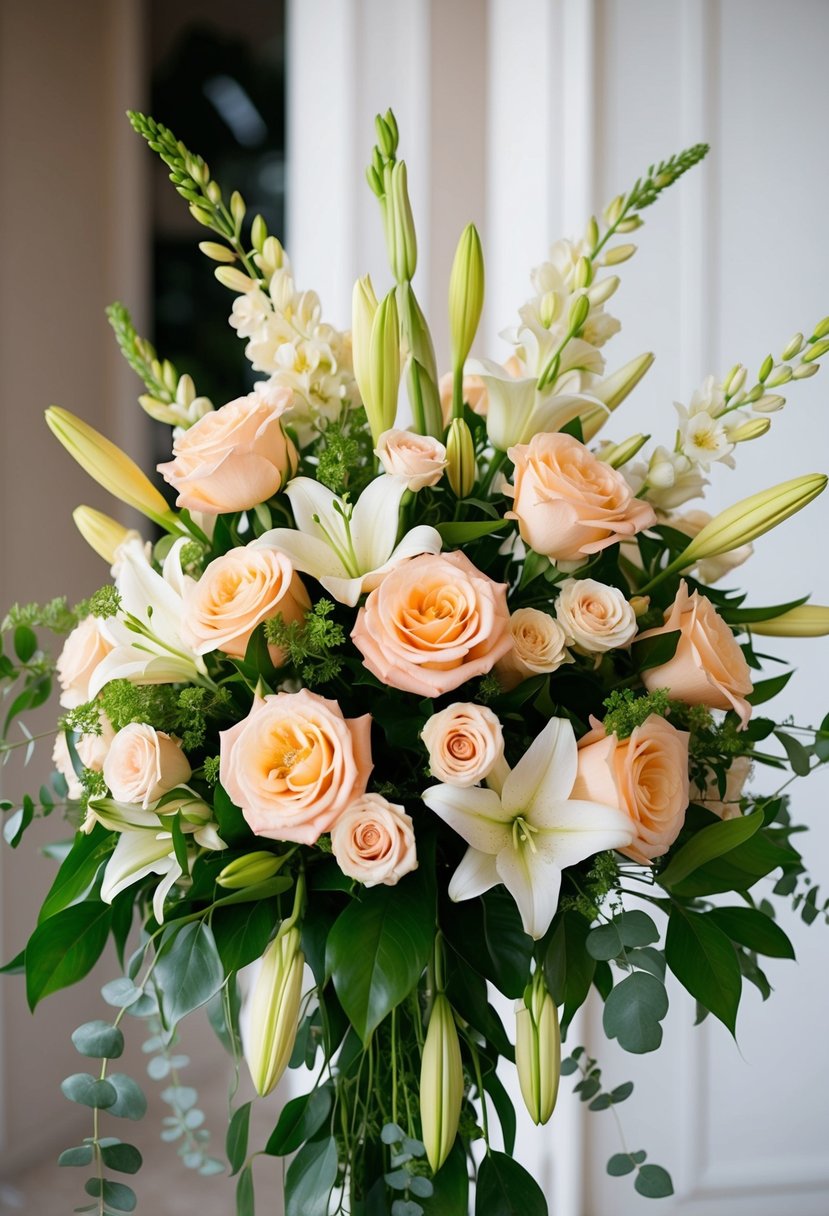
{"x": 348, "y": 547}
{"x": 526, "y": 834}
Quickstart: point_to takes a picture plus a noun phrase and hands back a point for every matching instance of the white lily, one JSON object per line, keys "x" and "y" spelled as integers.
{"x": 348, "y": 547}
{"x": 526, "y": 833}
{"x": 146, "y": 633}
{"x": 517, "y": 410}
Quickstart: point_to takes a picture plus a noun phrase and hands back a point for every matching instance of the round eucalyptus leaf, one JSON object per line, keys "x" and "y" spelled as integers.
{"x": 81, "y": 1155}
{"x": 421, "y": 1187}
{"x": 122, "y": 1157}
{"x": 653, "y": 1182}
{"x": 604, "y": 942}
{"x": 619, "y": 1164}
{"x": 130, "y": 1101}
{"x": 98, "y": 1039}
{"x": 87, "y": 1090}
{"x": 633, "y": 1012}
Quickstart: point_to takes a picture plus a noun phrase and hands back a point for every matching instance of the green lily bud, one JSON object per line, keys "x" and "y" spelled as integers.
{"x": 466, "y": 294}
{"x": 274, "y": 1010}
{"x": 583, "y": 275}
{"x": 579, "y": 311}
{"x": 591, "y": 233}
{"x": 612, "y": 391}
{"x": 735, "y": 379}
{"x": 817, "y": 351}
{"x": 201, "y": 216}
{"x": 782, "y": 374}
{"x": 461, "y": 469}
{"x": 237, "y": 207}
{"x": 403, "y": 253}
{"x": 214, "y": 192}
{"x": 822, "y": 328}
{"x": 765, "y": 369}
{"x": 793, "y": 347}
{"x": 258, "y": 232}
{"x": 619, "y": 454}
{"x": 102, "y": 533}
{"x": 806, "y": 621}
{"x": 363, "y": 308}
{"x": 614, "y": 209}
{"x": 752, "y": 429}
{"x": 383, "y": 367}
{"x": 538, "y": 1049}
{"x": 441, "y": 1084}
{"x": 250, "y": 870}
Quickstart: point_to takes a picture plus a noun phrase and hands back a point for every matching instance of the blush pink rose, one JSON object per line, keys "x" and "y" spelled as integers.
{"x": 465, "y": 743}
{"x": 143, "y": 764}
{"x": 709, "y": 668}
{"x": 236, "y": 593}
{"x": 646, "y": 775}
{"x": 83, "y": 650}
{"x": 433, "y": 623}
{"x": 419, "y": 459}
{"x": 374, "y": 842}
{"x": 233, "y": 458}
{"x": 568, "y": 504}
{"x": 295, "y": 764}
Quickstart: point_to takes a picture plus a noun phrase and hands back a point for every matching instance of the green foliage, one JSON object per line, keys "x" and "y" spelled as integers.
{"x": 344, "y": 454}
{"x": 659, "y": 177}
{"x": 310, "y": 1178}
{"x": 65, "y": 947}
{"x": 625, "y": 711}
{"x": 704, "y": 961}
{"x": 634, "y": 1010}
{"x": 506, "y": 1189}
{"x": 104, "y": 603}
{"x": 300, "y": 1120}
{"x": 186, "y": 712}
{"x": 310, "y": 644}
{"x": 188, "y": 971}
{"x": 55, "y": 615}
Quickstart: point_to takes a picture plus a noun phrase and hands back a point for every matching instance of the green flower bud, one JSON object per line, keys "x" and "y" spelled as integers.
{"x": 466, "y": 294}
{"x": 403, "y": 253}
{"x": 619, "y": 454}
{"x": 817, "y": 351}
{"x": 201, "y": 216}
{"x": 782, "y": 374}
{"x": 461, "y": 469}
{"x": 250, "y": 870}
{"x": 214, "y": 192}
{"x": 591, "y": 233}
{"x": 237, "y": 207}
{"x": 216, "y": 252}
{"x": 274, "y": 1011}
{"x": 822, "y": 328}
{"x": 258, "y": 232}
{"x": 583, "y": 275}
{"x": 807, "y": 621}
{"x": 752, "y": 429}
{"x": 385, "y": 137}
{"x": 793, "y": 347}
{"x": 735, "y": 380}
{"x": 441, "y": 1084}
{"x": 363, "y": 308}
{"x": 538, "y": 1049}
{"x": 765, "y": 369}
{"x": 614, "y": 210}
{"x": 384, "y": 367}
{"x": 612, "y": 391}
{"x": 619, "y": 253}
{"x": 579, "y": 311}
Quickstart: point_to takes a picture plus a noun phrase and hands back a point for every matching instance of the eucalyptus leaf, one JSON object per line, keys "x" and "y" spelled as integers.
{"x": 130, "y": 1102}
{"x": 620, "y": 1164}
{"x": 604, "y": 942}
{"x": 633, "y": 1012}
{"x": 653, "y": 1182}
{"x": 122, "y": 1157}
{"x": 87, "y": 1090}
{"x": 98, "y": 1040}
{"x": 82, "y": 1155}
{"x": 636, "y": 928}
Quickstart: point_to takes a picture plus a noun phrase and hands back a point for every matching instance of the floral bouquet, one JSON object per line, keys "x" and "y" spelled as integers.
{"x": 378, "y": 719}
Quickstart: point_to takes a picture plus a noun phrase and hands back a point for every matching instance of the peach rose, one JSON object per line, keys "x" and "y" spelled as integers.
{"x": 419, "y": 458}
{"x": 83, "y": 650}
{"x": 539, "y": 645}
{"x": 595, "y": 617}
{"x": 432, "y": 624}
{"x": 236, "y": 593}
{"x": 465, "y": 743}
{"x": 646, "y": 775}
{"x": 709, "y": 668}
{"x": 295, "y": 764}
{"x": 727, "y": 806}
{"x": 143, "y": 764}
{"x": 92, "y": 752}
{"x": 374, "y": 842}
{"x": 233, "y": 458}
{"x": 475, "y": 395}
{"x": 567, "y": 503}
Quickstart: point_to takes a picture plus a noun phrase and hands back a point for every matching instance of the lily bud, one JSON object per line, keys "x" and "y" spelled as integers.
{"x": 612, "y": 391}
{"x": 441, "y": 1084}
{"x": 217, "y": 252}
{"x": 804, "y": 370}
{"x": 765, "y": 369}
{"x": 806, "y": 621}
{"x": 363, "y": 308}
{"x": 769, "y": 403}
{"x": 752, "y": 429}
{"x": 735, "y": 379}
{"x": 466, "y": 294}
{"x": 619, "y": 454}
{"x": 538, "y": 1049}
{"x": 782, "y": 374}
{"x": 619, "y": 253}
{"x": 583, "y": 275}
{"x": 230, "y": 277}
{"x": 110, "y": 467}
{"x": 383, "y": 368}
{"x": 274, "y": 1011}
{"x": 102, "y": 533}
{"x": 816, "y": 351}
{"x": 404, "y": 242}
{"x": 600, "y": 292}
{"x": 250, "y": 870}
{"x": 822, "y": 328}
{"x": 793, "y": 347}
{"x": 461, "y": 469}
{"x": 579, "y": 310}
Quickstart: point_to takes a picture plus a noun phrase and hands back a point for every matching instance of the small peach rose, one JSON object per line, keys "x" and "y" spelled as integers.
{"x": 233, "y": 458}
{"x": 92, "y": 752}
{"x": 465, "y": 743}
{"x": 475, "y": 395}
{"x": 374, "y": 841}
{"x": 539, "y": 645}
{"x": 728, "y": 806}
{"x": 419, "y": 459}
{"x": 83, "y": 650}
{"x": 595, "y": 617}
{"x": 646, "y": 775}
{"x": 236, "y": 593}
{"x": 143, "y": 764}
{"x": 569, "y": 504}
{"x": 295, "y": 764}
{"x": 432, "y": 624}
{"x": 709, "y": 668}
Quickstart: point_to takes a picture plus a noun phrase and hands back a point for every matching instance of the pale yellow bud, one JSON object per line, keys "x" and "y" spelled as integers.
{"x": 237, "y": 207}
{"x": 538, "y": 1050}
{"x": 102, "y": 533}
{"x": 735, "y": 379}
{"x": 272, "y": 257}
{"x": 363, "y": 308}
{"x": 461, "y": 469}
{"x": 110, "y": 467}
{"x": 805, "y": 370}
{"x": 250, "y": 870}
{"x": 216, "y": 252}
{"x": 793, "y": 347}
{"x": 618, "y": 454}
{"x": 384, "y": 368}
{"x": 807, "y": 621}
{"x": 404, "y": 241}
{"x": 583, "y": 275}
{"x": 752, "y": 429}
{"x": 201, "y": 216}
{"x": 599, "y": 293}
{"x": 769, "y": 403}
{"x": 258, "y": 232}
{"x": 549, "y": 308}
{"x": 612, "y": 391}
{"x": 230, "y": 277}
{"x": 441, "y": 1084}
{"x": 274, "y": 1011}
{"x": 214, "y": 192}
{"x": 618, "y": 254}
{"x": 591, "y": 233}
{"x": 614, "y": 209}
{"x": 782, "y": 374}
{"x": 466, "y": 294}
{"x": 630, "y": 224}
{"x": 822, "y": 328}
{"x": 640, "y": 604}
{"x": 185, "y": 391}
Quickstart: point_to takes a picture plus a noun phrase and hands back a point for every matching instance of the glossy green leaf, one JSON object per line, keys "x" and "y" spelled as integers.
{"x": 653, "y": 1182}
{"x": 77, "y": 872}
{"x": 764, "y": 690}
{"x": 738, "y": 869}
{"x": 704, "y": 961}
{"x": 604, "y": 942}
{"x": 245, "y": 1205}
{"x": 82, "y": 1155}
{"x": 504, "y": 1109}
{"x": 747, "y": 616}
{"x": 25, "y": 643}
{"x": 300, "y": 1119}
{"x": 310, "y": 1178}
{"x": 99, "y": 1040}
{"x": 655, "y": 651}
{"x": 461, "y": 533}
{"x": 506, "y": 1189}
{"x": 568, "y": 967}
{"x": 711, "y": 842}
{"x": 65, "y": 948}
{"x": 796, "y": 753}
{"x": 188, "y": 972}
{"x": 753, "y": 929}
{"x": 633, "y": 1012}
{"x": 242, "y": 932}
{"x": 236, "y": 1143}
{"x": 114, "y": 1194}
{"x": 122, "y": 1157}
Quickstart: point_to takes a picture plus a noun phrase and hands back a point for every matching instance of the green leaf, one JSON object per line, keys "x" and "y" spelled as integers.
{"x": 633, "y": 1012}
{"x": 99, "y": 1040}
{"x": 764, "y": 690}
{"x": 236, "y": 1144}
{"x": 620, "y": 1164}
{"x": 260, "y": 890}
{"x": 65, "y": 948}
{"x": 115, "y": 1194}
{"x": 131, "y": 1103}
{"x": 232, "y": 826}
{"x": 378, "y": 949}
{"x": 16, "y": 824}
{"x": 710, "y": 842}
{"x": 636, "y": 928}
{"x": 504, "y": 1109}
{"x": 77, "y": 872}
{"x": 87, "y": 1090}
{"x": 704, "y": 961}
{"x": 242, "y": 932}
{"x": 25, "y": 643}
{"x": 179, "y": 843}
{"x": 122, "y": 1157}
{"x": 747, "y": 616}
{"x": 568, "y": 967}
{"x": 655, "y": 651}
{"x": 188, "y": 972}
{"x": 300, "y": 1119}
{"x": 506, "y": 1189}
{"x": 653, "y": 1182}
{"x": 244, "y": 1193}
{"x": 648, "y": 959}
{"x": 753, "y": 929}
{"x": 604, "y": 942}
{"x": 310, "y": 1178}
{"x": 82, "y": 1155}
{"x": 796, "y": 753}
{"x": 461, "y": 534}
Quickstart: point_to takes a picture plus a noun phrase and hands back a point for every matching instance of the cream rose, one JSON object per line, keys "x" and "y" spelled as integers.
{"x": 143, "y": 764}
{"x": 419, "y": 459}
{"x": 92, "y": 752}
{"x": 595, "y": 617}
{"x": 465, "y": 743}
{"x": 710, "y": 569}
{"x": 236, "y": 593}
{"x": 708, "y": 668}
{"x": 539, "y": 646}
{"x": 233, "y": 458}
{"x": 374, "y": 842}
{"x": 295, "y": 764}
{"x": 475, "y": 394}
{"x": 727, "y": 806}
{"x": 569, "y": 504}
{"x": 646, "y": 775}
{"x": 83, "y": 650}
{"x": 432, "y": 624}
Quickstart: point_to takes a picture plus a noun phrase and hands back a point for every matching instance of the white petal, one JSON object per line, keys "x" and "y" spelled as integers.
{"x": 476, "y": 874}
{"x": 141, "y": 588}
{"x": 581, "y": 829}
{"x": 171, "y": 570}
{"x": 475, "y": 814}
{"x": 534, "y": 881}
{"x": 309, "y": 498}
{"x": 308, "y": 554}
{"x": 421, "y": 539}
{"x": 163, "y": 889}
{"x": 545, "y": 773}
{"x": 136, "y": 855}
{"x": 374, "y": 521}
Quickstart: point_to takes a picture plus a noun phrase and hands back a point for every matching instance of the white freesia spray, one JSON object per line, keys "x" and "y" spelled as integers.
{"x": 348, "y": 547}
{"x": 526, "y": 833}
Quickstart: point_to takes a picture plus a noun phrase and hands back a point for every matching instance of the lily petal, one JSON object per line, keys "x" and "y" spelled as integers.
{"x": 308, "y": 554}
{"x": 580, "y": 829}
{"x": 544, "y": 775}
{"x": 136, "y": 855}
{"x": 534, "y": 881}
{"x": 476, "y": 874}
{"x": 374, "y": 520}
{"x": 163, "y": 890}
{"x": 309, "y": 498}
{"x": 475, "y": 814}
